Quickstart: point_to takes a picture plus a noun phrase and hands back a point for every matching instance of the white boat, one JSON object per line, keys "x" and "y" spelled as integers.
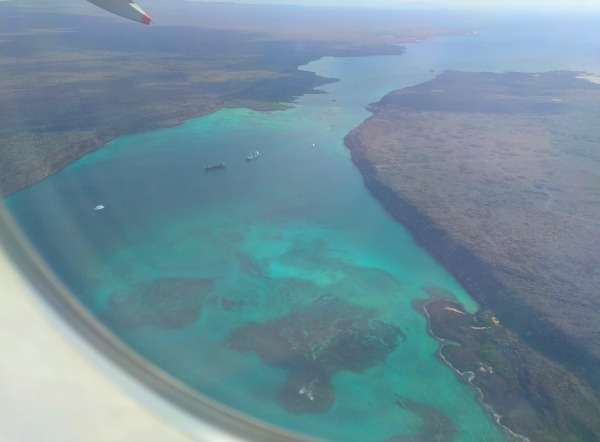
{"x": 99, "y": 207}
{"x": 252, "y": 156}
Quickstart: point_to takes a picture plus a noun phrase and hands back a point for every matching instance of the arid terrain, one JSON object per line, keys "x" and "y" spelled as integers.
{"x": 498, "y": 176}
{"x": 73, "y": 76}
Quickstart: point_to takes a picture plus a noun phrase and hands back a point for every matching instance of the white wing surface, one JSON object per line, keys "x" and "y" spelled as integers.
{"x": 124, "y": 8}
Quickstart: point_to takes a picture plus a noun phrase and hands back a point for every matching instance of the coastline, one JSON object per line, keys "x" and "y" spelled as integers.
{"x": 478, "y": 280}
{"x": 432, "y": 415}
{"x": 77, "y": 149}
{"x": 495, "y": 253}
{"x": 471, "y": 272}
{"x": 81, "y": 146}
{"x": 529, "y": 396}
{"x": 476, "y": 274}
{"x": 469, "y": 376}
{"x": 95, "y": 89}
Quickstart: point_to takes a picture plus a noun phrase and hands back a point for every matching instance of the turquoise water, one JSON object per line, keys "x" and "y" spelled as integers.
{"x": 290, "y": 236}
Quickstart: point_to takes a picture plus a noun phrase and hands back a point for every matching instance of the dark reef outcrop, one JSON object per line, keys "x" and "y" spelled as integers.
{"x": 436, "y": 426}
{"x": 168, "y": 303}
{"x": 315, "y": 341}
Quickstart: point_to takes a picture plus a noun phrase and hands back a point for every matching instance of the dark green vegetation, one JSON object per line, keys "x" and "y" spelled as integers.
{"x": 315, "y": 341}
{"x": 536, "y": 397}
{"x": 497, "y": 176}
{"x": 163, "y": 303}
{"x": 74, "y": 77}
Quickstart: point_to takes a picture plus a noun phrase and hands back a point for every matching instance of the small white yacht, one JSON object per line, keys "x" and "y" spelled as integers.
{"x": 252, "y": 156}
{"x": 99, "y": 207}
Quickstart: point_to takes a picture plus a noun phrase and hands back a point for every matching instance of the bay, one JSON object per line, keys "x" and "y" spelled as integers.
{"x": 290, "y": 235}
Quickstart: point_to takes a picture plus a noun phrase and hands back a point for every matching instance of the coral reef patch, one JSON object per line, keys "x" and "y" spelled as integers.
{"x": 315, "y": 341}
{"x": 436, "y": 427}
{"x": 168, "y": 303}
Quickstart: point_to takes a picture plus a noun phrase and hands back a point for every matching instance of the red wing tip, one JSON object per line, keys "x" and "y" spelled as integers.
{"x": 145, "y": 19}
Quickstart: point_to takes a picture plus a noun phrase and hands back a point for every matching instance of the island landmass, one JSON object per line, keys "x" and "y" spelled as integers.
{"x": 496, "y": 175}
{"x": 74, "y": 77}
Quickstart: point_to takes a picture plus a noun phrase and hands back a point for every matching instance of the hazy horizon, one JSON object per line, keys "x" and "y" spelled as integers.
{"x": 585, "y": 6}
{"x": 582, "y": 5}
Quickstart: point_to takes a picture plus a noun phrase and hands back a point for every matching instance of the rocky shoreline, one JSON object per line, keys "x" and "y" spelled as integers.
{"x": 538, "y": 350}
{"x": 474, "y": 275}
{"x": 531, "y": 397}
{"x": 468, "y": 376}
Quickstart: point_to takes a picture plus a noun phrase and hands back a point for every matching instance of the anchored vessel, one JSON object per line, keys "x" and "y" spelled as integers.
{"x": 252, "y": 156}
{"x": 214, "y": 166}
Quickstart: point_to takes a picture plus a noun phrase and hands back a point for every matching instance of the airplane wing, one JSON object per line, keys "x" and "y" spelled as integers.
{"x": 124, "y": 8}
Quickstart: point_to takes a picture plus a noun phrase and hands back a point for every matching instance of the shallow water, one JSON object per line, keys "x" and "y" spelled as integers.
{"x": 188, "y": 257}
